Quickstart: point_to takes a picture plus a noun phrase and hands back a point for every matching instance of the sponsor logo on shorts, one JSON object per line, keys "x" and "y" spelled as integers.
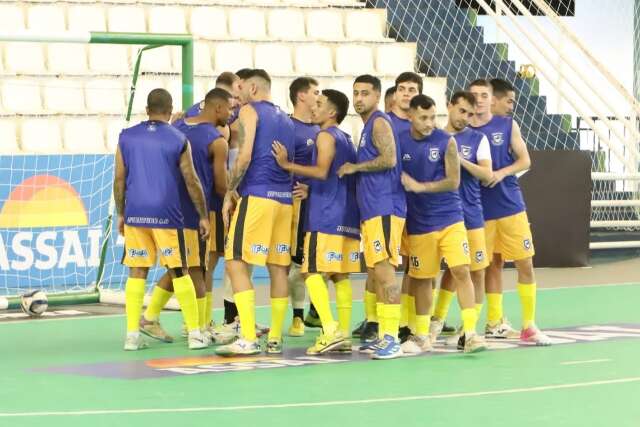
{"x": 497, "y": 138}
{"x": 260, "y": 249}
{"x": 465, "y": 150}
{"x": 354, "y": 256}
{"x": 283, "y": 248}
{"x": 137, "y": 253}
{"x": 527, "y": 244}
{"x": 167, "y": 252}
{"x": 479, "y": 256}
{"x": 465, "y": 248}
{"x": 434, "y": 154}
{"x": 333, "y": 256}
{"x": 415, "y": 261}
{"x": 377, "y": 246}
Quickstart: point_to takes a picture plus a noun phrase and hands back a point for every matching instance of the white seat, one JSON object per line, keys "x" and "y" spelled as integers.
{"x": 126, "y": 19}
{"x": 324, "y": 24}
{"x": 233, "y": 56}
{"x": 174, "y": 86}
{"x": 436, "y": 88}
{"x": 104, "y": 96}
{"x": 314, "y": 59}
{"x": 24, "y": 58}
{"x": 280, "y": 94}
{"x": 156, "y": 60}
{"x": 275, "y": 58}
{"x": 345, "y": 86}
{"x": 354, "y": 60}
{"x": 46, "y": 18}
{"x": 64, "y": 96}
{"x": 286, "y": 24}
{"x": 201, "y": 58}
{"x": 247, "y": 24}
{"x": 21, "y": 96}
{"x": 200, "y": 88}
{"x": 167, "y": 19}
{"x": 9, "y": 137}
{"x": 365, "y": 24}
{"x": 86, "y": 18}
{"x": 393, "y": 59}
{"x": 209, "y": 22}
{"x": 33, "y": 132}
{"x": 67, "y": 58}
{"x": 83, "y": 136}
{"x": 11, "y": 17}
{"x": 143, "y": 87}
{"x": 109, "y": 59}
{"x": 113, "y": 129}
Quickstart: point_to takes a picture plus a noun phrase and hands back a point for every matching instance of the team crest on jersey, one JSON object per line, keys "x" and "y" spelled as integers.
{"x": 309, "y": 142}
{"x": 465, "y": 150}
{"x": 434, "y": 154}
{"x": 497, "y": 138}
{"x": 465, "y": 248}
{"x": 479, "y": 256}
{"x": 377, "y": 246}
{"x": 363, "y": 139}
{"x": 527, "y": 244}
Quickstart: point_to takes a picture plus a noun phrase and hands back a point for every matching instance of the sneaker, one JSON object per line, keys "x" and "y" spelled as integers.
{"x": 326, "y": 342}
{"x": 388, "y": 348}
{"x": 474, "y": 343}
{"x": 435, "y": 328}
{"x": 370, "y": 332}
{"x": 453, "y": 339}
{"x": 184, "y": 332}
{"x": 152, "y": 329}
{"x": 448, "y": 329}
{"x": 370, "y": 347}
{"x": 460, "y": 343}
{"x": 501, "y": 330}
{"x": 198, "y": 341}
{"x": 274, "y": 347}
{"x": 297, "y": 327}
{"x": 227, "y": 332}
{"x": 239, "y": 347}
{"x": 358, "y": 330}
{"x": 312, "y": 321}
{"x": 345, "y": 347}
{"x": 416, "y": 345}
{"x": 534, "y": 335}
{"x": 134, "y": 342}
{"x": 260, "y": 328}
{"x": 404, "y": 333}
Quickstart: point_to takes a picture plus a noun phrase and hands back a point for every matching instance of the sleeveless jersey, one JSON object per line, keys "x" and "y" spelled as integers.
{"x": 151, "y": 153}
{"x": 333, "y": 208}
{"x": 468, "y": 141}
{"x": 196, "y": 108}
{"x": 305, "y": 137}
{"x": 424, "y": 161}
{"x": 399, "y": 198}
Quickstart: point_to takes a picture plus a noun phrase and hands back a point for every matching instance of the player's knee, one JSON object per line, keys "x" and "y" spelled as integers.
{"x": 460, "y": 272}
{"x": 525, "y": 270}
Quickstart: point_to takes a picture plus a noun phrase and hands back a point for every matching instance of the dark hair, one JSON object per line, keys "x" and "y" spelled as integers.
{"x": 372, "y": 80}
{"x": 340, "y": 101}
{"x": 422, "y": 101}
{"x": 159, "y": 101}
{"x": 409, "y": 76}
{"x": 259, "y": 73}
{"x": 226, "y": 78}
{"x": 243, "y": 73}
{"x": 301, "y": 84}
{"x": 389, "y": 92}
{"x": 217, "y": 93}
{"x": 463, "y": 94}
{"x": 479, "y": 82}
{"x": 501, "y": 87}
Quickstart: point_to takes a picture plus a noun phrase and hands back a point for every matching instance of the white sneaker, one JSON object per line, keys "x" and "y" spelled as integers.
{"x": 416, "y": 345}
{"x": 197, "y": 341}
{"x": 474, "y": 343}
{"x": 502, "y": 330}
{"x": 452, "y": 341}
{"x": 534, "y": 335}
{"x": 435, "y": 328}
{"x": 239, "y": 347}
{"x": 134, "y": 342}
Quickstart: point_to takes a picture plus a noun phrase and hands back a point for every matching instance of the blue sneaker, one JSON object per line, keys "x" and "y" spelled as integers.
{"x": 370, "y": 347}
{"x": 388, "y": 348}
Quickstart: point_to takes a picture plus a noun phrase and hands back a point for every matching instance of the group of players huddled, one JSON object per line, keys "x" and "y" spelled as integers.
{"x": 235, "y": 176}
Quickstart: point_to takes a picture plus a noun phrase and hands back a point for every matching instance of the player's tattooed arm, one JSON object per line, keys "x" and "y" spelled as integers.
{"x": 247, "y": 125}
{"x": 219, "y": 152}
{"x": 119, "y": 184}
{"x": 450, "y": 182}
{"x": 191, "y": 180}
{"x": 385, "y": 142}
{"x": 521, "y": 154}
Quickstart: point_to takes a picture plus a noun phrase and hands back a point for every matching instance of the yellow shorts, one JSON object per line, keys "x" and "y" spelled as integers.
{"x": 404, "y": 243}
{"x": 297, "y": 230}
{"x": 216, "y": 236}
{"x": 329, "y": 253}
{"x": 510, "y": 236}
{"x": 427, "y": 250}
{"x": 260, "y": 232}
{"x": 197, "y": 249}
{"x": 477, "y": 249}
{"x": 142, "y": 246}
{"x": 381, "y": 237}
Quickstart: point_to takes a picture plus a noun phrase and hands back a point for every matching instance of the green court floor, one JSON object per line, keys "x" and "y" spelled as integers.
{"x": 73, "y": 372}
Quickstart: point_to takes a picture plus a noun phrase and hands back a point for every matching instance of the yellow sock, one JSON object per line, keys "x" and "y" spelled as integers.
{"x": 186, "y": 295}
{"x": 278, "y": 310}
{"x": 134, "y": 298}
{"x": 159, "y": 298}
{"x": 469, "y": 320}
{"x": 479, "y": 309}
{"x": 208, "y": 308}
{"x": 343, "y": 303}
{"x": 246, "y": 303}
{"x": 422, "y": 324}
{"x": 443, "y": 303}
{"x": 404, "y": 309}
{"x": 527, "y": 294}
{"x": 381, "y": 318}
{"x": 391, "y": 319}
{"x": 412, "y": 313}
{"x": 202, "y": 302}
{"x": 319, "y": 296}
{"x": 434, "y": 298}
{"x": 370, "y": 306}
{"x": 494, "y": 308}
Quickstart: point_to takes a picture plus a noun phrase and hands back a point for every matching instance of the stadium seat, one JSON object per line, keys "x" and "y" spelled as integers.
{"x": 9, "y": 137}
{"x": 200, "y": 88}
{"x": 21, "y": 96}
{"x": 354, "y": 59}
{"x": 109, "y": 59}
{"x": 344, "y": 85}
{"x": 275, "y": 58}
{"x": 247, "y": 24}
{"x": 24, "y": 58}
{"x": 366, "y": 24}
{"x": 64, "y": 96}
{"x": 86, "y": 18}
{"x": 314, "y": 59}
{"x": 105, "y": 96}
{"x": 324, "y": 24}
{"x": 174, "y": 86}
{"x": 145, "y": 85}
{"x": 393, "y": 59}
{"x": 127, "y": 19}
{"x": 167, "y": 19}
{"x": 280, "y": 94}
{"x": 286, "y": 24}
{"x": 81, "y": 135}
{"x": 233, "y": 56}
{"x": 201, "y": 58}
{"x": 46, "y": 18}
{"x": 11, "y": 17}
{"x": 113, "y": 128}
{"x": 67, "y": 58}
{"x": 41, "y": 136}
{"x": 208, "y": 22}
{"x": 156, "y": 60}
{"x": 436, "y": 88}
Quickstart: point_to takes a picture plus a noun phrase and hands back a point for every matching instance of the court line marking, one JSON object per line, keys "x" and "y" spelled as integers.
{"x": 581, "y": 362}
{"x": 321, "y": 404}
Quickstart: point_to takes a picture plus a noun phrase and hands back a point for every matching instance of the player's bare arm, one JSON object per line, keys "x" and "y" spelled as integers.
{"x": 194, "y": 188}
{"x": 119, "y": 183}
{"x": 450, "y": 182}
{"x": 326, "y": 146}
{"x": 482, "y": 170}
{"x": 385, "y": 143}
{"x": 219, "y": 152}
{"x": 521, "y": 154}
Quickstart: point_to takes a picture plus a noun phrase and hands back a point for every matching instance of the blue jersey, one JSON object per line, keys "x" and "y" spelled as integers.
{"x": 424, "y": 161}
{"x": 399, "y": 198}
{"x": 196, "y": 109}
{"x": 151, "y": 153}
{"x": 333, "y": 208}
{"x": 505, "y": 199}
{"x": 378, "y": 192}
{"x": 399, "y": 124}
{"x": 468, "y": 141}
{"x": 200, "y": 136}
{"x": 265, "y": 178}
{"x": 305, "y": 137}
